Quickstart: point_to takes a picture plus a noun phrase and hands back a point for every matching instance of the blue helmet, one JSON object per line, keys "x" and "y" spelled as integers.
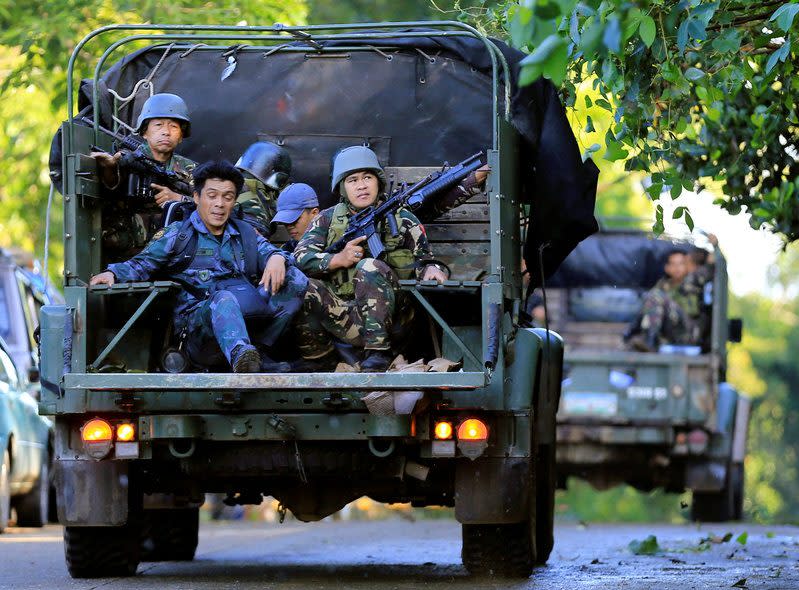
{"x": 164, "y": 106}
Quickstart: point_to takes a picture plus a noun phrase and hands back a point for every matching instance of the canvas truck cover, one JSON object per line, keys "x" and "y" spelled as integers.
{"x": 415, "y": 101}
{"x": 629, "y": 260}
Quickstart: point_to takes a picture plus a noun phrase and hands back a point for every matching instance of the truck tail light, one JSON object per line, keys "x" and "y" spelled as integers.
{"x": 126, "y": 432}
{"x": 443, "y": 430}
{"x": 472, "y": 430}
{"x": 97, "y": 436}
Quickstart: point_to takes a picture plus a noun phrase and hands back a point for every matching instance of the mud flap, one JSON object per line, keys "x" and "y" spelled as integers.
{"x": 493, "y": 490}
{"x": 92, "y": 493}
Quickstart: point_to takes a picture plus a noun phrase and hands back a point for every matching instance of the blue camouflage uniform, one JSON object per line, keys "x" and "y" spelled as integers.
{"x": 215, "y": 323}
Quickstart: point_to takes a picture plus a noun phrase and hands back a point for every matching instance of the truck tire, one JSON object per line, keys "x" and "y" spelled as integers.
{"x": 724, "y": 505}
{"x": 5, "y": 491}
{"x": 170, "y": 535}
{"x": 32, "y": 508}
{"x": 545, "y": 503}
{"x": 502, "y": 550}
{"x": 102, "y": 552}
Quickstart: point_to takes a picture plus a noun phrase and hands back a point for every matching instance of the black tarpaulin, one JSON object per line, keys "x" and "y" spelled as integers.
{"x": 413, "y": 111}
{"x": 622, "y": 260}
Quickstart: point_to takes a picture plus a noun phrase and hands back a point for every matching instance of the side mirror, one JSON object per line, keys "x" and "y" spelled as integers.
{"x": 735, "y": 330}
{"x": 33, "y": 374}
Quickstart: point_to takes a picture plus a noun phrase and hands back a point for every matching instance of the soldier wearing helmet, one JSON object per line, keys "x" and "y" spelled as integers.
{"x": 163, "y": 123}
{"x": 266, "y": 168}
{"x": 353, "y": 296}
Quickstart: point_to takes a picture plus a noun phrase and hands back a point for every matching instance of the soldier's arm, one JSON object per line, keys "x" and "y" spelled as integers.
{"x": 266, "y": 250}
{"x": 416, "y": 241}
{"x": 310, "y": 251}
{"x": 150, "y": 260}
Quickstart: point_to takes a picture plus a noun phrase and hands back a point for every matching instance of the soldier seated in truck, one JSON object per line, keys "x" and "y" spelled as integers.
{"x": 297, "y": 206}
{"x": 218, "y": 261}
{"x": 163, "y": 123}
{"x": 669, "y": 310}
{"x": 352, "y": 295}
{"x": 266, "y": 168}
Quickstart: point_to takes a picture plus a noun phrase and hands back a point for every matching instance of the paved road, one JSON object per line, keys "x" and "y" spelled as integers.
{"x": 398, "y": 554}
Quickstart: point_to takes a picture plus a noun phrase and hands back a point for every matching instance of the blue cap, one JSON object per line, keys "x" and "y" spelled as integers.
{"x": 293, "y": 200}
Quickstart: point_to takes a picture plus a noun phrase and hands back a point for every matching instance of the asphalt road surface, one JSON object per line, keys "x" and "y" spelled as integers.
{"x": 400, "y": 554}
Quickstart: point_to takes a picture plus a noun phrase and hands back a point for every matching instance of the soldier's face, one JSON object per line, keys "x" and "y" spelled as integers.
{"x": 361, "y": 188}
{"x": 297, "y": 229}
{"x": 676, "y": 268}
{"x": 163, "y": 136}
{"x": 215, "y": 203}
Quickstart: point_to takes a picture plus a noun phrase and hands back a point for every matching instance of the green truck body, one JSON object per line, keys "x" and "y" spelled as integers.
{"x": 652, "y": 420}
{"x": 307, "y": 439}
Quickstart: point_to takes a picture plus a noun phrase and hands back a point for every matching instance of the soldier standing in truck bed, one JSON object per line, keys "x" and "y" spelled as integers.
{"x": 353, "y": 296}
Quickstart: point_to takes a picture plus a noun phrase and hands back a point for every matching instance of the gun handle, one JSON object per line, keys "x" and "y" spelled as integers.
{"x": 392, "y": 225}
{"x": 376, "y": 247}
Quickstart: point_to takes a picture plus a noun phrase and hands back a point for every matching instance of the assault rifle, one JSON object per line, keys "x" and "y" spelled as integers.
{"x": 144, "y": 171}
{"x": 367, "y": 222}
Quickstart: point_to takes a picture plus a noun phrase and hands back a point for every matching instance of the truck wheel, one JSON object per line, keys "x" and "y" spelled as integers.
{"x": 170, "y": 535}
{"x": 726, "y": 504}
{"x": 5, "y": 491}
{"x": 101, "y": 552}
{"x": 545, "y": 503}
{"x": 32, "y": 507}
{"x": 504, "y": 550}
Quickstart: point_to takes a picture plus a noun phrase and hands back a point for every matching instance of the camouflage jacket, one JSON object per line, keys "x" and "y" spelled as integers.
{"x": 408, "y": 253}
{"x": 216, "y": 260}
{"x": 258, "y": 202}
{"x": 683, "y": 295}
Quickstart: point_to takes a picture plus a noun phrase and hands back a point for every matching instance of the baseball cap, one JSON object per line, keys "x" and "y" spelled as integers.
{"x": 293, "y": 200}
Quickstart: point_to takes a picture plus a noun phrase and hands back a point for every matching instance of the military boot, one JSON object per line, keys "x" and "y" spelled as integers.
{"x": 245, "y": 359}
{"x": 376, "y": 361}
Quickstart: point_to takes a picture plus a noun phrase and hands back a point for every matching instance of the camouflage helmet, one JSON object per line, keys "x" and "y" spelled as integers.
{"x": 267, "y": 162}
{"x": 353, "y": 159}
{"x": 164, "y": 106}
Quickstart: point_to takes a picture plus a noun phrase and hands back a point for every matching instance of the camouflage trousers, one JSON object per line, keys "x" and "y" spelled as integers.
{"x": 663, "y": 316}
{"x": 378, "y": 312}
{"x": 217, "y": 326}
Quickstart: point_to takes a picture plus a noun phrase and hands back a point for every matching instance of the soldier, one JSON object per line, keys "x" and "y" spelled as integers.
{"x": 669, "y": 311}
{"x": 163, "y": 123}
{"x": 297, "y": 206}
{"x": 352, "y": 295}
{"x": 266, "y": 168}
{"x": 219, "y": 276}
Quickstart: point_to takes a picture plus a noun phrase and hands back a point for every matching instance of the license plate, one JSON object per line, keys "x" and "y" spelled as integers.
{"x": 578, "y": 403}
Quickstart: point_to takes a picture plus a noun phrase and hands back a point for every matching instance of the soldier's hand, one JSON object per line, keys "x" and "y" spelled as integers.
{"x": 351, "y": 255}
{"x": 104, "y": 278}
{"x": 274, "y": 274}
{"x": 433, "y": 273}
{"x": 164, "y": 195}
{"x": 107, "y": 167}
{"x": 481, "y": 174}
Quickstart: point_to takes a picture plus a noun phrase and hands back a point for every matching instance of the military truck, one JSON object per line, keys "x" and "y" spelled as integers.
{"x": 137, "y": 446}
{"x": 665, "y": 419}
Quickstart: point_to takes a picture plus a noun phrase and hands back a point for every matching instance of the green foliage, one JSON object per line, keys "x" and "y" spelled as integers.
{"x": 36, "y": 40}
{"x": 701, "y": 92}
{"x": 648, "y": 546}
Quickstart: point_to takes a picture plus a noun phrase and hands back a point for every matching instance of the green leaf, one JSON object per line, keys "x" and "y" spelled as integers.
{"x": 615, "y": 151}
{"x": 589, "y": 125}
{"x": 784, "y": 15}
{"x": 654, "y": 190}
{"x": 742, "y": 538}
{"x": 678, "y": 211}
{"x": 676, "y": 190}
{"x": 689, "y": 221}
{"x": 647, "y": 30}
{"x": 694, "y": 74}
{"x": 728, "y": 41}
{"x": 648, "y": 546}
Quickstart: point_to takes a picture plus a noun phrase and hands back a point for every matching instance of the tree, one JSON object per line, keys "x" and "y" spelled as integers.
{"x": 701, "y": 93}
{"x": 36, "y": 40}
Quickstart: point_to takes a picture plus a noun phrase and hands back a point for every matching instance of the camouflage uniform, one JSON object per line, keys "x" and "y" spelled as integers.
{"x": 671, "y": 312}
{"x": 361, "y": 305}
{"x": 178, "y": 164}
{"x": 258, "y": 202}
{"x": 215, "y": 324}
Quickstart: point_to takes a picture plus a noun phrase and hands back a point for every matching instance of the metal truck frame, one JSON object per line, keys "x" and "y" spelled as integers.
{"x": 306, "y": 439}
